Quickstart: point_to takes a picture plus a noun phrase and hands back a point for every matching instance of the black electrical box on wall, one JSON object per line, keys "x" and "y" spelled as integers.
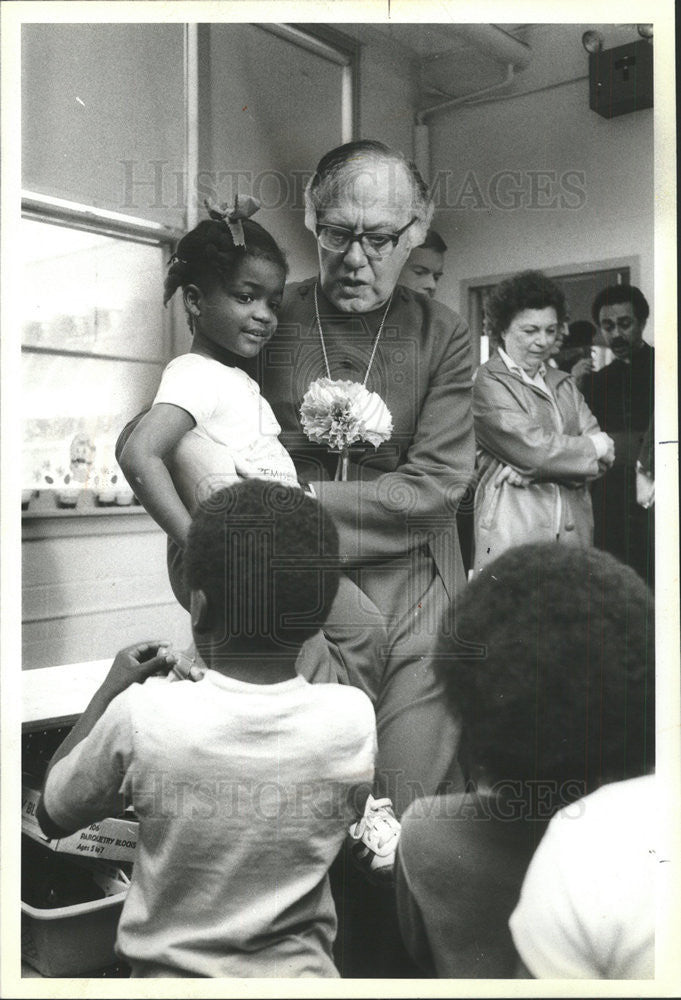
{"x": 621, "y": 79}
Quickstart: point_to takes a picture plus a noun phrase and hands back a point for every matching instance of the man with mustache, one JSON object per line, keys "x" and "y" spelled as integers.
{"x": 621, "y": 397}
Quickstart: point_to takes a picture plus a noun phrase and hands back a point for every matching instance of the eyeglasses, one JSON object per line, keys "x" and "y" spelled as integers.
{"x": 337, "y": 239}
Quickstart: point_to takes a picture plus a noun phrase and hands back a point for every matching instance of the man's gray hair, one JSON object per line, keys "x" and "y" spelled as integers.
{"x": 340, "y": 170}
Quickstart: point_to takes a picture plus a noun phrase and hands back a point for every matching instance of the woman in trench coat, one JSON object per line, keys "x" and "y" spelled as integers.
{"x": 539, "y": 445}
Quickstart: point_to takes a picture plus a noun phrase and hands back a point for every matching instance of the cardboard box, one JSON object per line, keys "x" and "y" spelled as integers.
{"x": 111, "y": 839}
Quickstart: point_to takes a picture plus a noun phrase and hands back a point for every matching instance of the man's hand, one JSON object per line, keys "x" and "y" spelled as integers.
{"x": 507, "y": 474}
{"x": 134, "y": 664}
{"x": 645, "y": 488}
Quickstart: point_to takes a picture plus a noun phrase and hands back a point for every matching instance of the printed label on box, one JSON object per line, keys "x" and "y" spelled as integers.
{"x": 29, "y": 823}
{"x": 113, "y": 839}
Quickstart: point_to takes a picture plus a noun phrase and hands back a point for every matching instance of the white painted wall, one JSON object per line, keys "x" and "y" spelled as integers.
{"x": 388, "y": 93}
{"x": 270, "y": 127}
{"x": 274, "y": 127}
{"x": 89, "y": 588}
{"x": 607, "y": 214}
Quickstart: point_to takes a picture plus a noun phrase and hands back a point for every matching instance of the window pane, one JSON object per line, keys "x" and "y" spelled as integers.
{"x": 73, "y": 410}
{"x": 103, "y": 115}
{"x": 90, "y": 293}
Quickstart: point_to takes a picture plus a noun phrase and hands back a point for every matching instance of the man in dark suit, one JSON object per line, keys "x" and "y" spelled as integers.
{"x": 621, "y": 396}
{"x": 396, "y": 514}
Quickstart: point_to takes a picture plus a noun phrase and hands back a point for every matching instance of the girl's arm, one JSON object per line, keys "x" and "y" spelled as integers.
{"x": 143, "y": 463}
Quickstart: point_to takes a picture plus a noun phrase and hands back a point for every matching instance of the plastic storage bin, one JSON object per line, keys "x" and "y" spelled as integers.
{"x": 77, "y": 937}
{"x": 70, "y": 940}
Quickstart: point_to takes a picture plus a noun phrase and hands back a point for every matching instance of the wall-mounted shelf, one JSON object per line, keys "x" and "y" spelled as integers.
{"x": 44, "y": 519}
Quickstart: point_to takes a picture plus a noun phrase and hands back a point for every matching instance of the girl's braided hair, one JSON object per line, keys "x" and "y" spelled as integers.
{"x": 207, "y": 255}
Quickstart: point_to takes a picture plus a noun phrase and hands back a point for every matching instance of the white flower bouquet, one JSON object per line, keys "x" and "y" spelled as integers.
{"x": 342, "y": 413}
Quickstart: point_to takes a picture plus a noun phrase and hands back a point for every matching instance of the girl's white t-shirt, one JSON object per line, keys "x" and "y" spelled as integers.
{"x": 229, "y": 410}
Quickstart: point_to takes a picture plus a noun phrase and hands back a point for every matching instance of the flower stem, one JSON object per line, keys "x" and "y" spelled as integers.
{"x": 342, "y": 467}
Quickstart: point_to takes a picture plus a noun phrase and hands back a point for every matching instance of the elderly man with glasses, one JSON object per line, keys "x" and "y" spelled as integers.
{"x": 369, "y": 207}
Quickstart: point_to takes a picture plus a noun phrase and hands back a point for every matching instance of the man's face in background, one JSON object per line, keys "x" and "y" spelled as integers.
{"x": 622, "y": 330}
{"x": 422, "y": 270}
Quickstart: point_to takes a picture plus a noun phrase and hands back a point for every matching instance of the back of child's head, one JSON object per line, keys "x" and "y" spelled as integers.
{"x": 266, "y": 557}
{"x": 208, "y": 255}
{"x": 552, "y": 669}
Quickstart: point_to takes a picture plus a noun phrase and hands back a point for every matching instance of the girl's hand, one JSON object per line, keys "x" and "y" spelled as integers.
{"x": 134, "y": 664}
{"x": 509, "y": 475}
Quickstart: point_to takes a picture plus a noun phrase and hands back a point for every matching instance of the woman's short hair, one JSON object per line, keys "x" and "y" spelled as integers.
{"x": 527, "y": 290}
{"x": 615, "y": 295}
{"x": 340, "y": 168}
{"x": 551, "y": 668}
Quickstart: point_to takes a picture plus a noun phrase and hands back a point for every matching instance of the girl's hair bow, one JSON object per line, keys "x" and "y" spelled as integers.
{"x": 244, "y": 207}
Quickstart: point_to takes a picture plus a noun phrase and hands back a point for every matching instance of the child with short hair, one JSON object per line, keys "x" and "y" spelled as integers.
{"x": 243, "y": 783}
{"x": 551, "y": 671}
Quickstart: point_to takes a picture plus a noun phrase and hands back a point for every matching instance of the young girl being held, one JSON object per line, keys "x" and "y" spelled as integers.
{"x": 232, "y": 274}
